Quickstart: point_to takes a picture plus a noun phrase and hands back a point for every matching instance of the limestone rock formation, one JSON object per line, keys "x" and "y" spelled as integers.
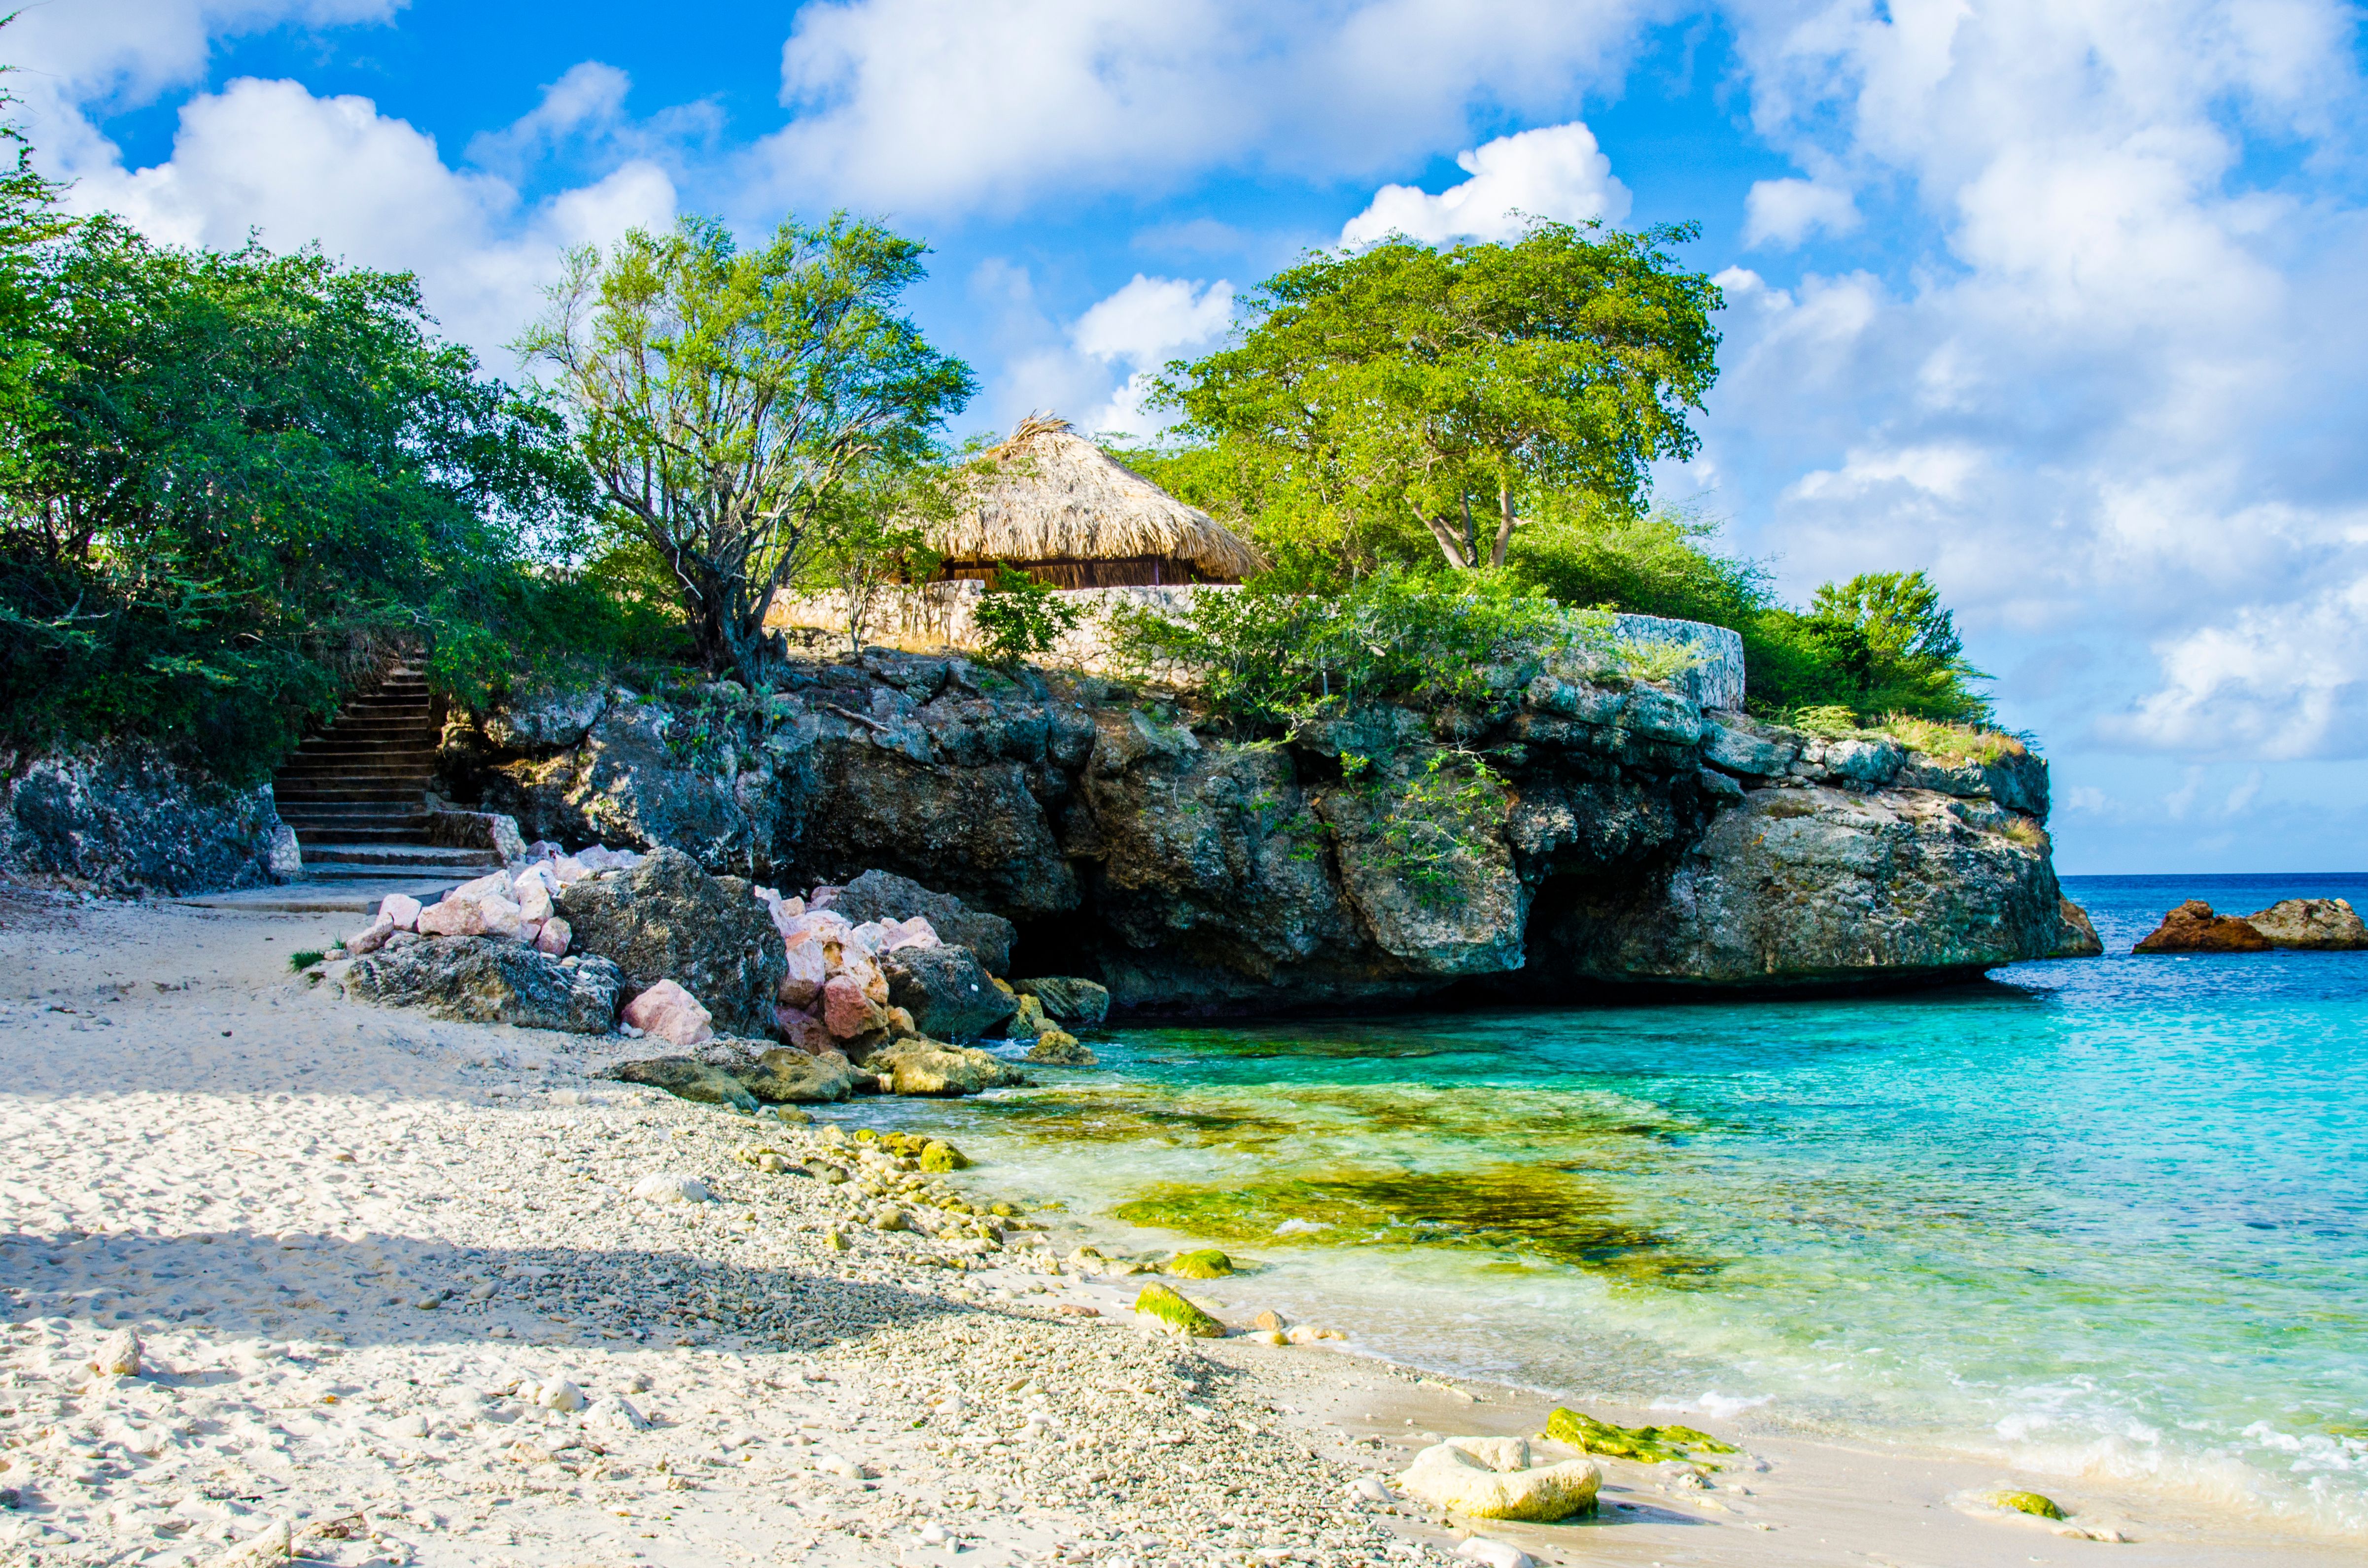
{"x": 921, "y": 1066}
{"x": 123, "y": 818}
{"x": 1559, "y": 833}
{"x": 2193, "y": 927}
{"x": 2077, "y": 936}
{"x": 1822, "y": 885}
{"x": 489, "y": 980}
{"x": 2312, "y": 924}
{"x": 1491, "y": 1478}
{"x": 667, "y": 919}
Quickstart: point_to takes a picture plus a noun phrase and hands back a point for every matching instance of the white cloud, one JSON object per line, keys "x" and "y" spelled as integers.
{"x": 1151, "y": 319}
{"x": 269, "y": 156}
{"x": 1557, "y": 172}
{"x": 122, "y": 53}
{"x": 945, "y": 105}
{"x": 2097, "y": 405}
{"x": 1786, "y": 211}
{"x": 1096, "y": 370}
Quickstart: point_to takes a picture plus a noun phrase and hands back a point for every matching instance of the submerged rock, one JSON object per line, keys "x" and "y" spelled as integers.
{"x": 2193, "y": 927}
{"x": 1059, "y": 1048}
{"x": 2029, "y": 1502}
{"x": 1207, "y": 1263}
{"x": 489, "y": 980}
{"x": 2312, "y": 924}
{"x": 1491, "y": 1478}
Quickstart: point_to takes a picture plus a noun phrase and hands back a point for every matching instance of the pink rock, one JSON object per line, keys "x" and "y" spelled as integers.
{"x": 803, "y": 1030}
{"x": 808, "y": 968}
{"x": 913, "y": 933}
{"x": 669, "y": 1012}
{"x": 554, "y": 936}
{"x": 371, "y": 938}
{"x": 823, "y": 897}
{"x": 401, "y": 909}
{"x": 856, "y": 966}
{"x": 501, "y": 918}
{"x": 533, "y": 899}
{"x": 497, "y": 884}
{"x": 452, "y": 917}
{"x": 846, "y": 1010}
{"x": 568, "y": 868}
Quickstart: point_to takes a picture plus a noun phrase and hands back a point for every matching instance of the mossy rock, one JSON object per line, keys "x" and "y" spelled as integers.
{"x": 2029, "y": 1502}
{"x": 1208, "y": 1263}
{"x": 939, "y": 1156}
{"x": 1650, "y": 1444}
{"x": 1177, "y": 1314}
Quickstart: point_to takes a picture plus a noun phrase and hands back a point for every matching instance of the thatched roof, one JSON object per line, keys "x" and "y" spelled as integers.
{"x": 1048, "y": 494}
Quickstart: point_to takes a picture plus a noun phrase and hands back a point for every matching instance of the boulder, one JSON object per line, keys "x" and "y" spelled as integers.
{"x": 804, "y": 1031}
{"x": 977, "y": 832}
{"x": 2315, "y": 923}
{"x": 1065, "y": 1000}
{"x": 665, "y": 1011}
{"x": 370, "y": 938}
{"x": 805, "y": 968}
{"x": 923, "y": 1066}
{"x": 400, "y": 909}
{"x": 1027, "y": 1020}
{"x": 1059, "y": 1048}
{"x": 463, "y": 913}
{"x": 552, "y": 938}
{"x": 2077, "y": 936}
{"x": 687, "y": 1077}
{"x": 667, "y": 919}
{"x": 2193, "y": 929}
{"x": 1491, "y": 1478}
{"x": 949, "y": 993}
{"x": 1177, "y": 1314}
{"x": 791, "y": 1076}
{"x": 485, "y": 980}
{"x": 885, "y": 897}
{"x": 846, "y": 1011}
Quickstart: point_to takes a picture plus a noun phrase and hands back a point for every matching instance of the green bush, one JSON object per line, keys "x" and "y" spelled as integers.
{"x": 1432, "y": 638}
{"x": 1022, "y": 618}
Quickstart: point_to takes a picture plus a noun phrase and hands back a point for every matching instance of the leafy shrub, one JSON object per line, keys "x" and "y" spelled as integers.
{"x": 1021, "y": 618}
{"x": 1267, "y": 656}
{"x": 1439, "y": 823}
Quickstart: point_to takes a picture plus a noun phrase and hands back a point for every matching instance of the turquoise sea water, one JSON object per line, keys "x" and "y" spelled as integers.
{"x": 2104, "y": 1218}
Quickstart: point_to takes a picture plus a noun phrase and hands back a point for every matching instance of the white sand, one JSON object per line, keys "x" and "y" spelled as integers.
{"x": 365, "y": 1249}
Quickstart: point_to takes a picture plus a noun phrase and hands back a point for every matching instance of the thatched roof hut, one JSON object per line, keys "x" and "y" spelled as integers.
{"x": 1055, "y": 505}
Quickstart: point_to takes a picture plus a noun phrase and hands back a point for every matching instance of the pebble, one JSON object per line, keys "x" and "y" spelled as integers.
{"x": 661, "y": 1186}
{"x": 1493, "y": 1554}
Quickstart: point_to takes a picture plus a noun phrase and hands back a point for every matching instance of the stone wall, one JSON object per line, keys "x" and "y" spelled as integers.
{"x": 122, "y": 818}
{"x": 939, "y": 616}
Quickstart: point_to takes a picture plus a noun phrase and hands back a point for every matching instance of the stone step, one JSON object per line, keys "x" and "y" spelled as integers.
{"x": 363, "y": 813}
{"x": 327, "y": 792}
{"x": 318, "y": 857}
{"x": 347, "y": 831}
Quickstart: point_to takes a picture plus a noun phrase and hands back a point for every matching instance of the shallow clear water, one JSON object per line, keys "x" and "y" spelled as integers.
{"x": 2105, "y": 1218}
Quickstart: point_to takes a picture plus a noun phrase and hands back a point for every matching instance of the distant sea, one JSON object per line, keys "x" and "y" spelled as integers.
{"x": 2104, "y": 1218}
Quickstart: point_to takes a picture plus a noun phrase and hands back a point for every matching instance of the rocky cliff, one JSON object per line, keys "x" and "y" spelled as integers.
{"x": 124, "y": 818}
{"x": 1576, "y": 834}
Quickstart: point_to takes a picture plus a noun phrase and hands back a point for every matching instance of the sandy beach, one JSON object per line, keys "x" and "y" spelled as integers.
{"x": 397, "y": 1303}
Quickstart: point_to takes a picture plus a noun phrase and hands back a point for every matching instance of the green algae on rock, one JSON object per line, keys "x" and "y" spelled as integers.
{"x": 1206, "y": 1263}
{"x": 2029, "y": 1502}
{"x": 1649, "y": 1445}
{"x": 1173, "y": 1311}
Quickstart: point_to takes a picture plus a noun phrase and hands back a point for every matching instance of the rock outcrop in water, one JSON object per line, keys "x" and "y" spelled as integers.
{"x": 1574, "y": 834}
{"x": 2308, "y": 924}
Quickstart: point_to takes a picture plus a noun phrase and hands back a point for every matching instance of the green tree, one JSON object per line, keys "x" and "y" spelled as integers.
{"x": 1401, "y": 385}
{"x": 239, "y": 476}
{"x": 725, "y": 399}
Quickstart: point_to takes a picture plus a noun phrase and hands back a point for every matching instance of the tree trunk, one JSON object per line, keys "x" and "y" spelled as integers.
{"x": 1504, "y": 525}
{"x": 1471, "y": 540}
{"x": 1450, "y": 544}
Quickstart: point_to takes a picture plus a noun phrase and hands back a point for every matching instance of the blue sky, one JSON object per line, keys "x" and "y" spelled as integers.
{"x": 2060, "y": 301}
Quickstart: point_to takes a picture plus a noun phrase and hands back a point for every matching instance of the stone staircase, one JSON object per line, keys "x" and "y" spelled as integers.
{"x": 357, "y": 792}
